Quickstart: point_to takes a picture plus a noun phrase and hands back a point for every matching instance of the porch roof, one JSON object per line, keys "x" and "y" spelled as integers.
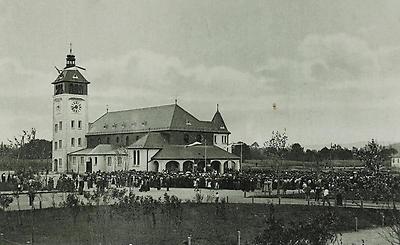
{"x": 180, "y": 152}
{"x": 102, "y": 149}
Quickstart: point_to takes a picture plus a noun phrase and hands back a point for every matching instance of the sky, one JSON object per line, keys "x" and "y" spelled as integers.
{"x": 332, "y": 68}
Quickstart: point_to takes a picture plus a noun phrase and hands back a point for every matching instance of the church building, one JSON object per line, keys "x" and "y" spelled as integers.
{"x": 160, "y": 138}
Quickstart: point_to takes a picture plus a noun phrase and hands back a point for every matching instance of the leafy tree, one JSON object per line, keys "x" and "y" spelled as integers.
{"x": 277, "y": 148}
{"x": 373, "y": 156}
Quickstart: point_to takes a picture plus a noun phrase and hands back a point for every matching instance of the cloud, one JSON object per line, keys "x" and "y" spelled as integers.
{"x": 149, "y": 77}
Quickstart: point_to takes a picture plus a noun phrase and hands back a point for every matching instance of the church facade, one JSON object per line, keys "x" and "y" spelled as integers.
{"x": 160, "y": 138}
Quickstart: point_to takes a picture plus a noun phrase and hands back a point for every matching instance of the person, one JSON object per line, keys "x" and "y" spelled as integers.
{"x": 216, "y": 197}
{"x": 325, "y": 197}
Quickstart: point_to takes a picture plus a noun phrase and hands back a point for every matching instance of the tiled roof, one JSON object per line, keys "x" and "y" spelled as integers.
{"x": 151, "y": 140}
{"x": 70, "y": 75}
{"x": 102, "y": 149}
{"x": 159, "y": 118}
{"x": 180, "y": 152}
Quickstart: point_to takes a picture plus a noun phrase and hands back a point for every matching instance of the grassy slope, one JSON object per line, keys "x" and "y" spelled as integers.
{"x": 55, "y": 226}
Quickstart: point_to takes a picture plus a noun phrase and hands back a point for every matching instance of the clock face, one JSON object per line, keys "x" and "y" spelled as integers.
{"x": 76, "y": 106}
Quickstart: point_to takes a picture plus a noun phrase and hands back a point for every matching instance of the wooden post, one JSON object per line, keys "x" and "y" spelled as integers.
{"x": 189, "y": 240}
{"x": 383, "y": 219}
{"x": 238, "y": 234}
{"x": 356, "y": 220}
{"x": 252, "y": 200}
{"x": 227, "y": 199}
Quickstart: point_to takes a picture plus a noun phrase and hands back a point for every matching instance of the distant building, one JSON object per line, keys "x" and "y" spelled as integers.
{"x": 160, "y": 138}
{"x": 395, "y": 161}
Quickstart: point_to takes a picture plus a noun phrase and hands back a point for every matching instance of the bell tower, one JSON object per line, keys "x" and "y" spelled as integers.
{"x": 70, "y": 115}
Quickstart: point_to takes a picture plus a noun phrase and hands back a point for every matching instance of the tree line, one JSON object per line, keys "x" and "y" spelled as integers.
{"x": 296, "y": 152}
{"x": 26, "y": 146}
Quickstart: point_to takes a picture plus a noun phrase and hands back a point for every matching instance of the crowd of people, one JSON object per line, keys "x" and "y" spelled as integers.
{"x": 318, "y": 185}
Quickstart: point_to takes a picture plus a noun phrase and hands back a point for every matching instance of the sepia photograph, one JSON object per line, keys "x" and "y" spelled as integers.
{"x": 200, "y": 122}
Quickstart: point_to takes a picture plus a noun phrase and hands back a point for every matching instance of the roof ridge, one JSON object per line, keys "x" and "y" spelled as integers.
{"x": 142, "y": 108}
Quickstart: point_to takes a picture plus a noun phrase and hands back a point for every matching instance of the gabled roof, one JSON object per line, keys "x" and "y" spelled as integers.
{"x": 152, "y": 140}
{"x": 151, "y": 119}
{"x": 180, "y": 152}
{"x": 218, "y": 121}
{"x": 102, "y": 149}
{"x": 71, "y": 74}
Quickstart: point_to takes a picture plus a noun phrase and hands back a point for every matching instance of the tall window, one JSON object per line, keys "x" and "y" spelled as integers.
{"x": 73, "y": 161}
{"x": 119, "y": 159}
{"x": 95, "y": 161}
{"x": 117, "y": 139}
{"x": 55, "y": 145}
{"x": 72, "y": 142}
{"x": 72, "y": 124}
{"x": 215, "y": 139}
{"x": 127, "y": 140}
{"x": 60, "y": 125}
{"x": 136, "y": 157}
{"x": 109, "y": 161}
{"x": 79, "y": 142}
{"x": 82, "y": 160}
{"x": 60, "y": 163}
{"x": 56, "y": 127}
{"x": 79, "y": 124}
{"x": 60, "y": 144}
{"x": 108, "y": 140}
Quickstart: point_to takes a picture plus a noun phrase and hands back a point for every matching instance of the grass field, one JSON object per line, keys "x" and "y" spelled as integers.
{"x": 107, "y": 225}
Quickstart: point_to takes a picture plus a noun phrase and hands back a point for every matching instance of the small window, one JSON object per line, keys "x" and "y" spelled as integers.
{"x": 82, "y": 160}
{"x": 56, "y": 127}
{"x": 95, "y": 161}
{"x": 72, "y": 142}
{"x": 60, "y": 125}
{"x": 72, "y": 124}
{"x": 55, "y": 145}
{"x": 134, "y": 157}
{"x": 108, "y": 140}
{"x": 60, "y": 163}
{"x": 186, "y": 138}
{"x": 79, "y": 142}
{"x": 127, "y": 140}
{"x": 79, "y": 124}
{"x": 117, "y": 139}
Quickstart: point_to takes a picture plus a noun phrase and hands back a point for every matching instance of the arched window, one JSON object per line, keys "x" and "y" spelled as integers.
{"x": 108, "y": 140}
{"x": 117, "y": 140}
